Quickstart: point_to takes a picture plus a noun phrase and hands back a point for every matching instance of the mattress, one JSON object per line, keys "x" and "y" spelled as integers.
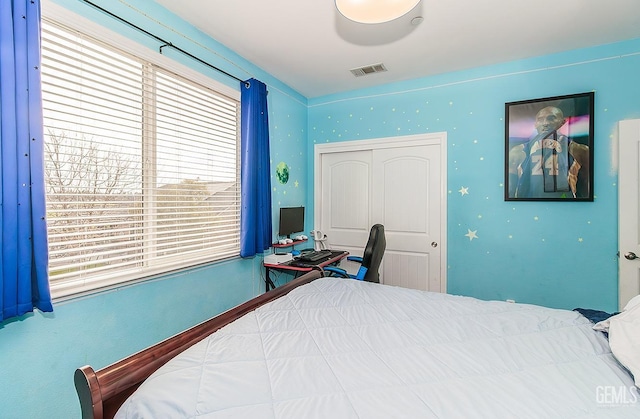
{"x": 340, "y": 348}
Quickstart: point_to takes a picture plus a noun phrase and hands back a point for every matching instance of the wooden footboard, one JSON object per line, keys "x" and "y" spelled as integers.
{"x": 102, "y": 392}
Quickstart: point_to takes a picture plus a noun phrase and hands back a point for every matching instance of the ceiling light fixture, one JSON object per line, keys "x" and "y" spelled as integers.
{"x": 374, "y": 11}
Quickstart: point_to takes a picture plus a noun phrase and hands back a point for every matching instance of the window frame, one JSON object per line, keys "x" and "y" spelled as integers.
{"x": 62, "y": 16}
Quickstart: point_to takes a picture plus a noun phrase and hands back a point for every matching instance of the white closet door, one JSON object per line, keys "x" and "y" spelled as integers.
{"x": 395, "y": 182}
{"x": 406, "y": 200}
{"x": 346, "y": 199}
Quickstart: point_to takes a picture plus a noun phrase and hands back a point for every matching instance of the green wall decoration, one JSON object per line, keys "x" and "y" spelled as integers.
{"x": 282, "y": 172}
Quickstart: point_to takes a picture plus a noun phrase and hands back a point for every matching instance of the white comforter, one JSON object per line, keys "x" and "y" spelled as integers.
{"x": 339, "y": 348}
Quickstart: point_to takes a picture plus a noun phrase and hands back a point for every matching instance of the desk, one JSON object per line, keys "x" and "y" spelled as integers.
{"x": 336, "y": 256}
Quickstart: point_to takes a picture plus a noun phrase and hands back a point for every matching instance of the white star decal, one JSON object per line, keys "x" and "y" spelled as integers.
{"x": 463, "y": 191}
{"x": 472, "y": 234}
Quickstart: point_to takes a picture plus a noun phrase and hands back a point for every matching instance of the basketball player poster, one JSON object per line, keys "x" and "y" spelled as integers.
{"x": 549, "y": 149}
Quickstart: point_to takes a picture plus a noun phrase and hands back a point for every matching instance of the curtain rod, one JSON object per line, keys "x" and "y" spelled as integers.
{"x": 164, "y": 43}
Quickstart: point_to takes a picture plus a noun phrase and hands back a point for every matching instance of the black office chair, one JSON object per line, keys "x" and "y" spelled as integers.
{"x": 370, "y": 260}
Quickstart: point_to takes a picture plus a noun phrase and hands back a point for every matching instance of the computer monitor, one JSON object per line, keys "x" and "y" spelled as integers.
{"x": 291, "y": 221}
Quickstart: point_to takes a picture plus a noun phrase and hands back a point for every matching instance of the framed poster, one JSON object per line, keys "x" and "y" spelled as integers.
{"x": 549, "y": 149}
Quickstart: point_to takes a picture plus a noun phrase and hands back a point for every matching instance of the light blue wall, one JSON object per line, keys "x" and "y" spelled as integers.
{"x": 39, "y": 353}
{"x": 558, "y": 254}
{"x": 288, "y": 140}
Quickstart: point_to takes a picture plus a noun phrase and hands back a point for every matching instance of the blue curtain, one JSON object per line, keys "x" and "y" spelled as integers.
{"x": 24, "y": 282}
{"x": 255, "y": 215}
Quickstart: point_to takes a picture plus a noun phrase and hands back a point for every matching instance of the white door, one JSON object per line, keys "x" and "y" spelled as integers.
{"x": 406, "y": 200}
{"x": 345, "y": 215}
{"x": 398, "y": 182}
{"x": 629, "y": 211}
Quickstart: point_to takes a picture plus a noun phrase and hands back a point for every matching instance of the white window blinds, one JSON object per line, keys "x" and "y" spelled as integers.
{"x": 142, "y": 166}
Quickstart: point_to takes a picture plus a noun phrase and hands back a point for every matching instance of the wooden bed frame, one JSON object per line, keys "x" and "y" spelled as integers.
{"x": 102, "y": 392}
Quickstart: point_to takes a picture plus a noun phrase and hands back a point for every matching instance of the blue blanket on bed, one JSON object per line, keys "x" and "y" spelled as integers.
{"x": 594, "y": 315}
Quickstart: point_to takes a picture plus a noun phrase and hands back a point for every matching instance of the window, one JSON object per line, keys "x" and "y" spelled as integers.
{"x": 141, "y": 164}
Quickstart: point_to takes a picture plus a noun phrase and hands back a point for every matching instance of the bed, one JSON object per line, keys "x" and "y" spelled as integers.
{"x": 338, "y": 348}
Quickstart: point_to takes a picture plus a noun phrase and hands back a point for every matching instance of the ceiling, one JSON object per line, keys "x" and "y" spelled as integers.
{"x": 311, "y": 47}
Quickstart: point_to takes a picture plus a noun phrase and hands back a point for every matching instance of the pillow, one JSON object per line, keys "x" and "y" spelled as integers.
{"x": 624, "y": 336}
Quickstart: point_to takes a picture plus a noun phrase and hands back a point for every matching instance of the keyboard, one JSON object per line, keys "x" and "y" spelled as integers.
{"x": 314, "y": 255}
{"x": 300, "y": 264}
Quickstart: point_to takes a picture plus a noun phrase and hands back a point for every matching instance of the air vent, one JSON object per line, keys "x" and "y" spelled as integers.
{"x": 369, "y": 69}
